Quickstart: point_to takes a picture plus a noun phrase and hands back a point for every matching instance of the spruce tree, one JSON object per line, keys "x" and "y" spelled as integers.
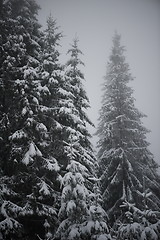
{"x": 127, "y": 167}
{"x": 15, "y": 43}
{"x": 95, "y": 227}
{"x": 74, "y": 209}
{"x": 29, "y": 174}
{"x": 75, "y": 79}
{"x": 79, "y": 215}
{"x": 78, "y": 158}
{"x": 138, "y": 224}
{"x": 54, "y": 92}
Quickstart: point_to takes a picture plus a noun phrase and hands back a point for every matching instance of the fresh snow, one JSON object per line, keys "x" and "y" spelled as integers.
{"x": 65, "y": 110}
{"x": 74, "y": 234}
{"x": 78, "y": 191}
{"x": 103, "y": 237}
{"x": 63, "y": 92}
{"x": 77, "y": 167}
{"x": 8, "y": 224}
{"x": 32, "y": 152}
{"x": 45, "y": 75}
{"x": 41, "y": 127}
{"x": 35, "y": 100}
{"x": 52, "y": 80}
{"x": 30, "y": 73}
{"x": 130, "y": 169}
{"x": 70, "y": 206}
{"x": 149, "y": 233}
{"x": 52, "y": 164}
{"x": 27, "y": 159}
{"x": 44, "y": 89}
{"x": 44, "y": 188}
{"x": 19, "y": 134}
{"x": 24, "y": 111}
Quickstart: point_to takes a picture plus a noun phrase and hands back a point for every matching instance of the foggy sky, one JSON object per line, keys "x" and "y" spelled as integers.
{"x": 95, "y": 21}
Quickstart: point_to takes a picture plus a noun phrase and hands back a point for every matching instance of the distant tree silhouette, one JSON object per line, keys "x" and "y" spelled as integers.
{"x": 124, "y": 158}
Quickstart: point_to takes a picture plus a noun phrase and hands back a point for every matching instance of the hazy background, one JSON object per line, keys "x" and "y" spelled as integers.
{"x": 95, "y": 21}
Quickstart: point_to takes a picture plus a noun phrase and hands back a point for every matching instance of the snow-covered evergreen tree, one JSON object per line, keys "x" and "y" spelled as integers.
{"x": 74, "y": 209}
{"x": 29, "y": 173}
{"x": 75, "y": 79}
{"x": 95, "y": 227}
{"x": 50, "y": 86}
{"x": 15, "y": 42}
{"x": 137, "y": 224}
{"x": 54, "y": 92}
{"x": 79, "y": 216}
{"x": 124, "y": 158}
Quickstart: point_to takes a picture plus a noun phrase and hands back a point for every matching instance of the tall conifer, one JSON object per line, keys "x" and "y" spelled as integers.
{"x": 127, "y": 168}
{"x": 75, "y": 79}
{"x": 28, "y": 172}
{"x": 79, "y": 216}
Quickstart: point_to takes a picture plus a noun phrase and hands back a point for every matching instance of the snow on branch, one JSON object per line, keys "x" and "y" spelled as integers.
{"x": 32, "y": 152}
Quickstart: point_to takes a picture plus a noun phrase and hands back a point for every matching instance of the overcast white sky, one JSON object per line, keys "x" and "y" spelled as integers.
{"x": 94, "y": 21}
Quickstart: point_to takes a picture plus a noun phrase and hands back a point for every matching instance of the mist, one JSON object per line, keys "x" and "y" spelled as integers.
{"x": 95, "y": 22}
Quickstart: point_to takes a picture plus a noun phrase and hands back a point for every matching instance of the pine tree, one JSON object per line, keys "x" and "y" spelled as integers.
{"x": 95, "y": 227}
{"x": 137, "y": 224}
{"x": 14, "y": 40}
{"x": 79, "y": 216}
{"x": 54, "y": 91}
{"x": 124, "y": 158}
{"x": 74, "y": 209}
{"x": 18, "y": 49}
{"x": 51, "y": 76}
{"x": 28, "y": 174}
{"x": 75, "y": 79}
{"x": 78, "y": 158}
